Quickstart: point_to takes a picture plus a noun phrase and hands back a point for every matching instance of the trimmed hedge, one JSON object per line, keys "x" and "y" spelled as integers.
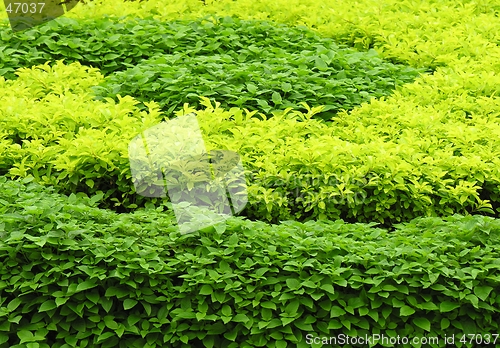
{"x": 360, "y": 168}
{"x": 74, "y": 275}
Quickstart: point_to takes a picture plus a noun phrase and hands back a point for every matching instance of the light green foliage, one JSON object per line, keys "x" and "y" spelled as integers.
{"x": 56, "y": 132}
{"x": 365, "y": 169}
{"x": 362, "y": 167}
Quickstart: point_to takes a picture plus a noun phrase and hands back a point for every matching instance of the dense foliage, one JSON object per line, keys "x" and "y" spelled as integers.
{"x": 362, "y": 169}
{"x": 255, "y": 65}
{"x": 72, "y": 274}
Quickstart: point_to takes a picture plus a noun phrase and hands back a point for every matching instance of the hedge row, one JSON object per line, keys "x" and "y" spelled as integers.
{"x": 360, "y": 168}
{"x": 75, "y": 275}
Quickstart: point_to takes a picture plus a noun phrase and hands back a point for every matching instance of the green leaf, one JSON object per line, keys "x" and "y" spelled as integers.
{"x": 447, "y": 306}
{"x": 328, "y": 288}
{"x": 106, "y": 303}
{"x": 3, "y": 337}
{"x": 277, "y": 98}
{"x": 129, "y": 303}
{"x": 251, "y": 88}
{"x": 286, "y": 87}
{"x": 94, "y": 297}
{"x": 355, "y": 302}
{"x": 133, "y": 319}
{"x": 303, "y": 326}
{"x": 25, "y": 336}
{"x": 320, "y": 64}
{"x": 341, "y": 75}
{"x": 292, "y": 283}
{"x": 363, "y": 311}
{"x": 105, "y": 336}
{"x": 482, "y": 292}
{"x": 47, "y": 306}
{"x": 231, "y": 335}
{"x": 445, "y": 323}
{"x": 274, "y": 323}
{"x": 240, "y": 318}
{"x": 374, "y": 315}
{"x": 88, "y": 284}
{"x": 233, "y": 240}
{"x": 114, "y": 291}
{"x": 406, "y": 310}
{"x": 147, "y": 307}
{"x": 111, "y": 56}
{"x": 292, "y": 307}
{"x": 336, "y": 311}
{"x": 389, "y": 287}
{"x": 281, "y": 344}
{"x": 263, "y": 104}
{"x": 422, "y": 323}
{"x": 16, "y": 319}
{"x": 428, "y": 305}
{"x": 209, "y": 341}
{"x": 226, "y": 310}
{"x": 277, "y": 335}
{"x": 474, "y": 300}
{"x": 61, "y": 300}
{"x": 206, "y": 290}
{"x": 110, "y": 323}
{"x": 268, "y": 304}
{"x": 341, "y": 281}
{"x": 14, "y": 304}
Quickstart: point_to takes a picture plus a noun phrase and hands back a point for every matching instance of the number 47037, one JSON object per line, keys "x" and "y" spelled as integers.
{"x": 479, "y": 339}
{"x": 20, "y": 7}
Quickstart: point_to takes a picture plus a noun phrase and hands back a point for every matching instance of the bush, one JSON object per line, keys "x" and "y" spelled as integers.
{"x": 236, "y": 62}
{"x": 76, "y": 275}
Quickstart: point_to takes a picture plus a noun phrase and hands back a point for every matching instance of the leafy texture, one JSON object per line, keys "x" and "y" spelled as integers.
{"x": 257, "y": 65}
{"x": 362, "y": 169}
{"x": 96, "y": 278}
